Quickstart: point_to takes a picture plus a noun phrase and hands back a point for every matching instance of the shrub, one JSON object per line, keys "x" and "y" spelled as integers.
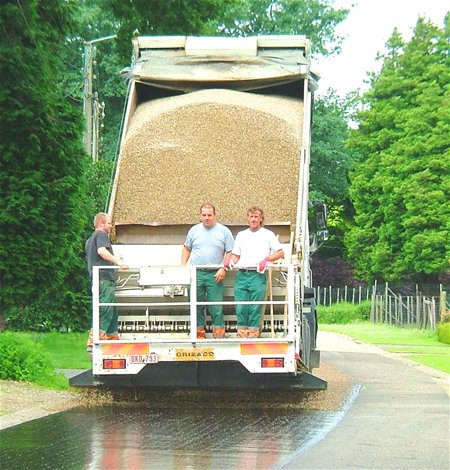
{"x": 46, "y": 317}
{"x": 443, "y": 332}
{"x": 343, "y": 312}
{"x": 363, "y": 310}
{"x": 25, "y": 361}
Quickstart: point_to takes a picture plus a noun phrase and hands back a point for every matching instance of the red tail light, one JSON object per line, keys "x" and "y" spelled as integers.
{"x": 114, "y": 364}
{"x": 272, "y": 362}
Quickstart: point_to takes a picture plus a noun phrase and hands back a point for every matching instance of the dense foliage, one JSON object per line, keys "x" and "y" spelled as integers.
{"x": 443, "y": 332}
{"x": 400, "y": 187}
{"x": 43, "y": 166}
{"x": 24, "y": 360}
{"x": 314, "y": 18}
{"x": 331, "y": 162}
{"x": 343, "y": 313}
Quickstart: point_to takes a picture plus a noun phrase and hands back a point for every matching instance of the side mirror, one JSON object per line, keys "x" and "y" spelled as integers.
{"x": 321, "y": 220}
{"x": 322, "y": 236}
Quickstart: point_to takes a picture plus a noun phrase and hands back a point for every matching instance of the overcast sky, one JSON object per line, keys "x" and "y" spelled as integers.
{"x": 367, "y": 28}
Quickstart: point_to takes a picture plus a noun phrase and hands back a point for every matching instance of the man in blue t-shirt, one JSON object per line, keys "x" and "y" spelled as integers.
{"x": 208, "y": 243}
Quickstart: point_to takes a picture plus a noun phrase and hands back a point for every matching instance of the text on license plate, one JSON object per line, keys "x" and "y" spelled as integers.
{"x": 151, "y": 358}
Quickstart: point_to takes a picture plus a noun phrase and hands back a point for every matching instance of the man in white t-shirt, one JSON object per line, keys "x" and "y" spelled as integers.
{"x": 253, "y": 249}
{"x": 207, "y": 243}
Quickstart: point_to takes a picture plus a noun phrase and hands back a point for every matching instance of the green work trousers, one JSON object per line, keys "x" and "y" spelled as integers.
{"x": 249, "y": 286}
{"x": 208, "y": 290}
{"x": 108, "y": 315}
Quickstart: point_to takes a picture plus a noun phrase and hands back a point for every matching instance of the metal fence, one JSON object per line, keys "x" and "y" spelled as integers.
{"x": 331, "y": 295}
{"x": 390, "y": 307}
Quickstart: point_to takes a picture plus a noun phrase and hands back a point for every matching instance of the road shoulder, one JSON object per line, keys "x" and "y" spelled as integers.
{"x": 398, "y": 420}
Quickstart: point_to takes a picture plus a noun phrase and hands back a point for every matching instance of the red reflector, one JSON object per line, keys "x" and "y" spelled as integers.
{"x": 114, "y": 364}
{"x": 272, "y": 362}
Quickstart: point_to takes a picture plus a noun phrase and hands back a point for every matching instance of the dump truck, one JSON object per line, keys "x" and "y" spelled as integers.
{"x": 227, "y": 121}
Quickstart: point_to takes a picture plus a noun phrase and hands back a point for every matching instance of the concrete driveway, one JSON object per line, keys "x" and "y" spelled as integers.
{"x": 398, "y": 420}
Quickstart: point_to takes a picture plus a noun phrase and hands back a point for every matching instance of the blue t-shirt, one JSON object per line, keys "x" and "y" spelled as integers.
{"x": 208, "y": 245}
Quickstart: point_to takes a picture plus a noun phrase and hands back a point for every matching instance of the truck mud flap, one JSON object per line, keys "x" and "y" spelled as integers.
{"x": 219, "y": 375}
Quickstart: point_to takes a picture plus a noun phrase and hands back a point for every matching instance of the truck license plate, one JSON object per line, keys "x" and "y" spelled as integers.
{"x": 151, "y": 358}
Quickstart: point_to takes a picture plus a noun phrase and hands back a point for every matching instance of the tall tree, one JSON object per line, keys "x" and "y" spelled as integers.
{"x": 43, "y": 164}
{"x": 314, "y": 18}
{"x": 400, "y": 189}
{"x": 330, "y": 159}
{"x": 331, "y": 162}
{"x": 166, "y": 17}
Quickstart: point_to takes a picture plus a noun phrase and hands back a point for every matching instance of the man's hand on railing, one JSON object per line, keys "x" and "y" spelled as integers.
{"x": 228, "y": 264}
{"x": 262, "y": 265}
{"x": 121, "y": 264}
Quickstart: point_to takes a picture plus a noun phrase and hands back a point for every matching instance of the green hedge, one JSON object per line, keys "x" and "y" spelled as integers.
{"x": 344, "y": 312}
{"x": 23, "y": 360}
{"x": 443, "y": 332}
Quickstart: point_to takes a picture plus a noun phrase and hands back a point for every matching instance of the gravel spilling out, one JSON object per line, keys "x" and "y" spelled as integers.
{"x": 339, "y": 386}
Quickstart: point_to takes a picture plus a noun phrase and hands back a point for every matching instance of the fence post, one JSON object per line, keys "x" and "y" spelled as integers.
{"x": 359, "y": 296}
{"x": 443, "y": 304}
{"x": 408, "y": 309}
{"x": 400, "y": 305}
{"x": 418, "y": 319}
{"x": 386, "y": 302}
{"x": 433, "y": 313}
{"x": 380, "y": 309}
{"x": 330, "y": 296}
{"x": 372, "y": 307}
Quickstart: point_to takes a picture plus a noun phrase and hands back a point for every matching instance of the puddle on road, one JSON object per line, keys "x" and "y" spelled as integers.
{"x": 142, "y": 438}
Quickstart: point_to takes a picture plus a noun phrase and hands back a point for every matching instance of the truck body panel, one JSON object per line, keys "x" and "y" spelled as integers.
{"x": 224, "y": 120}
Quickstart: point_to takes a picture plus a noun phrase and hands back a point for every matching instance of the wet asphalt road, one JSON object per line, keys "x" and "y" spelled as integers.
{"x": 396, "y": 418}
{"x": 147, "y": 439}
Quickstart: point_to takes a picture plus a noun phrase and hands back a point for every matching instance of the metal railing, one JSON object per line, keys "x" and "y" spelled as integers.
{"x": 145, "y": 305}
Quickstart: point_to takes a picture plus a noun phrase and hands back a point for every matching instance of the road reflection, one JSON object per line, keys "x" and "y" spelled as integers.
{"x": 142, "y": 438}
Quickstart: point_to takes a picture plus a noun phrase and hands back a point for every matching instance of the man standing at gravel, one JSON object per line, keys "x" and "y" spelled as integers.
{"x": 254, "y": 248}
{"x": 99, "y": 252}
{"x": 208, "y": 243}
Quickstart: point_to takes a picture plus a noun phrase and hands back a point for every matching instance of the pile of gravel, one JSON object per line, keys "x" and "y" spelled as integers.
{"x": 234, "y": 149}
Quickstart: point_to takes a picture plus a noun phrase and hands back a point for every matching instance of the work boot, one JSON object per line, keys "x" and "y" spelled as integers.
{"x": 253, "y": 333}
{"x": 112, "y": 337}
{"x": 219, "y": 332}
{"x": 201, "y": 333}
{"x": 90, "y": 342}
{"x": 242, "y": 333}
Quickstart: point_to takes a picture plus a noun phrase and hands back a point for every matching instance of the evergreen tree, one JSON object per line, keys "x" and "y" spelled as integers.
{"x": 43, "y": 167}
{"x": 400, "y": 189}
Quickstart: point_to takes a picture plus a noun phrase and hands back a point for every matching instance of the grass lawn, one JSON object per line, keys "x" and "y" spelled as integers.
{"x": 418, "y": 345}
{"x": 435, "y": 362}
{"x": 65, "y": 350}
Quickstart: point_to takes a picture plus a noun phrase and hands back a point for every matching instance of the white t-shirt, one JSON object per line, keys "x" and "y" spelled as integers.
{"x": 253, "y": 247}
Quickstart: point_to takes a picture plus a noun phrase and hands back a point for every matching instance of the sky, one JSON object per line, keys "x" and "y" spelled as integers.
{"x": 367, "y": 28}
